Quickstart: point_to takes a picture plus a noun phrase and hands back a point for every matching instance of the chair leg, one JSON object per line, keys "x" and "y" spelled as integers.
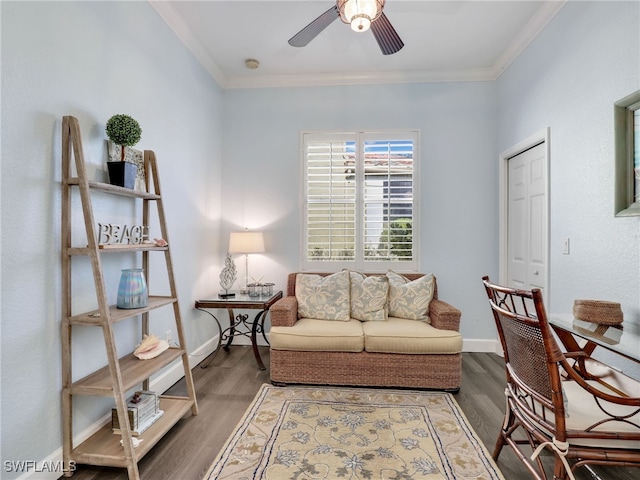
{"x": 507, "y": 425}
{"x": 499, "y": 444}
{"x": 559, "y": 472}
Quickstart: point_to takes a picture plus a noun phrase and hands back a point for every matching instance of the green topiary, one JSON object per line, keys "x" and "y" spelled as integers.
{"x": 123, "y": 130}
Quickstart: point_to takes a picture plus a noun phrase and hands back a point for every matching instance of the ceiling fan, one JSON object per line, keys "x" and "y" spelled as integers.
{"x": 360, "y": 14}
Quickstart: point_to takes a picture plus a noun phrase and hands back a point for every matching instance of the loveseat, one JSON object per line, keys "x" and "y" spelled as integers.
{"x": 348, "y": 328}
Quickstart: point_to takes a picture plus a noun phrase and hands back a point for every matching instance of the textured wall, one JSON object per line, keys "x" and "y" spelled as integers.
{"x": 92, "y": 60}
{"x": 587, "y": 58}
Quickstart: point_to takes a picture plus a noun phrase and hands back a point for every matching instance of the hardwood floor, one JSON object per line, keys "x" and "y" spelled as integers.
{"x": 226, "y": 387}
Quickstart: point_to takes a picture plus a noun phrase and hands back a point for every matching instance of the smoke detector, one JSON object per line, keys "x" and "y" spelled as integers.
{"x": 251, "y": 63}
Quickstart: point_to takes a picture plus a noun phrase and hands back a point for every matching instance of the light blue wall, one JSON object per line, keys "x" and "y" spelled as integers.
{"x": 587, "y": 58}
{"x": 93, "y": 60}
{"x": 458, "y": 168}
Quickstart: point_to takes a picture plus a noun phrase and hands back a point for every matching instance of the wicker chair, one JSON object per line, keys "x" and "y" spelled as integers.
{"x": 567, "y": 403}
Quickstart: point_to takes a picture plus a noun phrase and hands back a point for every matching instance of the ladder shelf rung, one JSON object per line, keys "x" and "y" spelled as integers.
{"x": 108, "y": 188}
{"x": 133, "y": 370}
{"x": 117, "y": 248}
{"x": 103, "y": 448}
{"x": 117, "y": 314}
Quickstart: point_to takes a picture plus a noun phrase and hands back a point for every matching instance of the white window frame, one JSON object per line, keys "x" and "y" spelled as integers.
{"x": 359, "y": 263}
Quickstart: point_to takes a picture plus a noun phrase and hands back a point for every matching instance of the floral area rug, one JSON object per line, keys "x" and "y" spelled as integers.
{"x": 329, "y": 433}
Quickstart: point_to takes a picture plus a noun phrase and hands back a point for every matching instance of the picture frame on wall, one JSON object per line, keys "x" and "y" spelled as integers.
{"x": 626, "y": 114}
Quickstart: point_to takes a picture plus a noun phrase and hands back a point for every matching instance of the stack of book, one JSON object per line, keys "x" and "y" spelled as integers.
{"x": 143, "y": 409}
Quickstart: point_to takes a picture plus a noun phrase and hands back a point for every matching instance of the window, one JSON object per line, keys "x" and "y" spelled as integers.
{"x": 359, "y": 201}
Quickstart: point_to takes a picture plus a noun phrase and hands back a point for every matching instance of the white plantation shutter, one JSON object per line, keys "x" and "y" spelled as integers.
{"x": 388, "y": 199}
{"x": 330, "y": 199}
{"x": 359, "y": 201}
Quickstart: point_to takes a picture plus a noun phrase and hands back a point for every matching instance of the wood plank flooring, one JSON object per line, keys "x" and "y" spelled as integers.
{"x": 226, "y": 387}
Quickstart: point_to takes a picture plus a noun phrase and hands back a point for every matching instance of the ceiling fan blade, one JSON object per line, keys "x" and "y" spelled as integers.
{"x": 311, "y": 31}
{"x": 386, "y": 36}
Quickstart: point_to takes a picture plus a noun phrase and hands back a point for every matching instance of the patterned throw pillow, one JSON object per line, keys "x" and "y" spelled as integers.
{"x": 410, "y": 299}
{"x": 323, "y": 298}
{"x": 369, "y": 297}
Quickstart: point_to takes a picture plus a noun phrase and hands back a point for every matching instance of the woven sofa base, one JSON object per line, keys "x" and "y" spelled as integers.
{"x": 437, "y": 371}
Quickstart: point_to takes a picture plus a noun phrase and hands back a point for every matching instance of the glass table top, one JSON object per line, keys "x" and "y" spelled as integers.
{"x": 623, "y": 339}
{"x": 240, "y": 299}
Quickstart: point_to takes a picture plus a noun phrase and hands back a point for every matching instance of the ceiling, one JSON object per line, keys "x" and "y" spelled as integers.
{"x": 444, "y": 40}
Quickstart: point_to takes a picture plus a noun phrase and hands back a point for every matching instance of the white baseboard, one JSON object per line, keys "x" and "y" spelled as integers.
{"x": 202, "y": 352}
{"x": 488, "y": 345}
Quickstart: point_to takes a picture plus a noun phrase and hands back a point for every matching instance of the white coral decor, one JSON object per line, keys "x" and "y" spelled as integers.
{"x": 228, "y": 274}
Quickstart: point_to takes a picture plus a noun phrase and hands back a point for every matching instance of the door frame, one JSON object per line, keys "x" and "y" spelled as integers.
{"x": 526, "y": 144}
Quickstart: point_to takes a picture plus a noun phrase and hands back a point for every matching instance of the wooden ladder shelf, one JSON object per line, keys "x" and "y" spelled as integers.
{"x": 122, "y": 373}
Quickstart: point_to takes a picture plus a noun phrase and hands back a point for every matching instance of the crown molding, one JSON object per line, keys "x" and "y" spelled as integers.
{"x": 360, "y": 78}
{"x": 178, "y": 25}
{"x": 175, "y": 21}
{"x": 530, "y": 31}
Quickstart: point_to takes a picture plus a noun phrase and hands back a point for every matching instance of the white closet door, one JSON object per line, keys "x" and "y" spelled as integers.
{"x": 527, "y": 219}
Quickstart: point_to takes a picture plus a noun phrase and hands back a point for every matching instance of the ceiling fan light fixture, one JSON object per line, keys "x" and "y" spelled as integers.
{"x": 360, "y": 13}
{"x": 360, "y": 23}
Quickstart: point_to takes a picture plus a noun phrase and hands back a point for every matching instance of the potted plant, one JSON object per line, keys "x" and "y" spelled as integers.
{"x": 124, "y": 131}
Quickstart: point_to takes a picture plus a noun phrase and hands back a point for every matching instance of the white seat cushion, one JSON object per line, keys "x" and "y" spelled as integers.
{"x": 582, "y": 412}
{"x": 399, "y": 335}
{"x": 310, "y": 335}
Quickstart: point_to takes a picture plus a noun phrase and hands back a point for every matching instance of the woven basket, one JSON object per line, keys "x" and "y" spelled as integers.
{"x": 598, "y": 311}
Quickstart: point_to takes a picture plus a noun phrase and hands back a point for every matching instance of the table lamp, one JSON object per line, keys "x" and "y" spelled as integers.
{"x": 246, "y": 242}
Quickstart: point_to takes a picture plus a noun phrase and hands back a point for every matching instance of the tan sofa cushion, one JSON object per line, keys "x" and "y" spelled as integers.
{"x": 310, "y": 334}
{"x": 325, "y": 298}
{"x": 410, "y": 299}
{"x": 399, "y": 335}
{"x": 369, "y": 297}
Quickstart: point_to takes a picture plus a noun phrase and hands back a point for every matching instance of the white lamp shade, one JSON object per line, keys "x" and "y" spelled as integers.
{"x": 246, "y": 242}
